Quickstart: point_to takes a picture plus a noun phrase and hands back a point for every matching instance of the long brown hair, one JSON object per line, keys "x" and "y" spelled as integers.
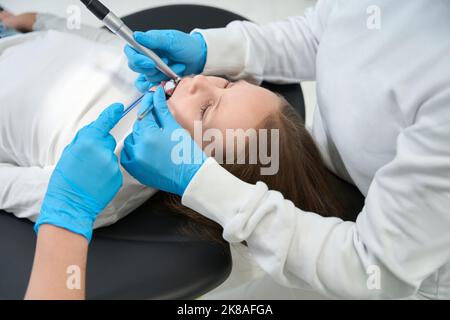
{"x": 302, "y": 176}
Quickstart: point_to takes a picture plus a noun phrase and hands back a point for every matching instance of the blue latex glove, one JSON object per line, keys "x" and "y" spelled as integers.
{"x": 184, "y": 53}
{"x": 86, "y": 178}
{"x": 150, "y": 154}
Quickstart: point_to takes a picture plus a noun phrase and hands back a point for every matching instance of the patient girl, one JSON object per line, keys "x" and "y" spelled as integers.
{"x": 55, "y": 81}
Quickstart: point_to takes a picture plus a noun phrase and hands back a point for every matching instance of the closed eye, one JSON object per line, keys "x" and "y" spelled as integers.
{"x": 204, "y": 109}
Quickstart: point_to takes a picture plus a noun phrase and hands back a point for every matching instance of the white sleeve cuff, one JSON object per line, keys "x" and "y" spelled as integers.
{"x": 221, "y": 201}
{"x": 226, "y": 51}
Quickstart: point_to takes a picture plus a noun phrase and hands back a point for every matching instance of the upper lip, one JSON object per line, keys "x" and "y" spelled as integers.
{"x": 181, "y": 83}
{"x": 182, "y": 80}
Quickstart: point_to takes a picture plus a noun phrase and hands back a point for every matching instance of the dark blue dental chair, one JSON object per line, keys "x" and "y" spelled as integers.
{"x": 143, "y": 256}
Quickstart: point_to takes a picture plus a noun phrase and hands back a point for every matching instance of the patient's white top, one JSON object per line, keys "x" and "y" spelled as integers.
{"x": 384, "y": 103}
{"x": 52, "y": 84}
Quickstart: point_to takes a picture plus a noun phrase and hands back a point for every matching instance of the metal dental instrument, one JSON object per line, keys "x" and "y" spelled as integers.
{"x": 118, "y": 27}
{"x": 132, "y": 106}
{"x": 169, "y": 88}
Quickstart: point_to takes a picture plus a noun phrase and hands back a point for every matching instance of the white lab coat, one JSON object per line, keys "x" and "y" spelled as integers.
{"x": 384, "y": 103}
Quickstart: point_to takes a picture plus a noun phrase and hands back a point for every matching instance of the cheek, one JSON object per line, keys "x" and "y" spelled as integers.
{"x": 231, "y": 119}
{"x": 183, "y": 113}
{"x": 175, "y": 111}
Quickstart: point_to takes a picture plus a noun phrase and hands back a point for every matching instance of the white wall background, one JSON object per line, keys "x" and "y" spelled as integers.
{"x": 260, "y": 11}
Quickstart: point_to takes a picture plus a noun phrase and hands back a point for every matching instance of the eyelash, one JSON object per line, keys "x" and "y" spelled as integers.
{"x": 203, "y": 109}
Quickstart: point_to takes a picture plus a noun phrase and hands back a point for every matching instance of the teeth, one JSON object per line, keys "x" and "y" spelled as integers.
{"x": 169, "y": 87}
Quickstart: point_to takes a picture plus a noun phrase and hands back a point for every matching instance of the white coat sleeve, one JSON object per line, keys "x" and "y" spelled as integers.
{"x": 402, "y": 233}
{"x": 279, "y": 52}
{"x": 22, "y": 189}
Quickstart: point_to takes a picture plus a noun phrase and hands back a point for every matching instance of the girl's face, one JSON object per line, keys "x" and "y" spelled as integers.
{"x": 221, "y": 104}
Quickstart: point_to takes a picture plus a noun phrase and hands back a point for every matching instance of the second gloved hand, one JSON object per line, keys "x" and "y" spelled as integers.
{"x": 160, "y": 153}
{"x": 184, "y": 53}
{"x": 86, "y": 178}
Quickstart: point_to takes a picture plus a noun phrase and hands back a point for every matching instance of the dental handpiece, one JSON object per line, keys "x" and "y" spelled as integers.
{"x": 118, "y": 27}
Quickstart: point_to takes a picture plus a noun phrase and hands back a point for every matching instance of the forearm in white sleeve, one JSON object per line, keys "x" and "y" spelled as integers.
{"x": 46, "y": 21}
{"x": 402, "y": 232}
{"x": 279, "y": 52}
{"x": 22, "y": 189}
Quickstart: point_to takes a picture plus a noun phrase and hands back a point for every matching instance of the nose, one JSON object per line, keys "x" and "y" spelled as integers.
{"x": 199, "y": 83}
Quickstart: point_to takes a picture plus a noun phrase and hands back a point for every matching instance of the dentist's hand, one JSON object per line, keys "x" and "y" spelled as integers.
{"x": 184, "y": 53}
{"x": 86, "y": 178}
{"x": 159, "y": 153}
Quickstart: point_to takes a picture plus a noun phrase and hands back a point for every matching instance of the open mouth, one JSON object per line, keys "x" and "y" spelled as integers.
{"x": 169, "y": 88}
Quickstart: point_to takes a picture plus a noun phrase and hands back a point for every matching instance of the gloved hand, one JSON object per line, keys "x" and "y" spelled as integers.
{"x": 152, "y": 154}
{"x": 184, "y": 53}
{"x": 86, "y": 178}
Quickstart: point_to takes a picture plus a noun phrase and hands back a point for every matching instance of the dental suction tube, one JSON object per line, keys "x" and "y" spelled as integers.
{"x": 117, "y": 26}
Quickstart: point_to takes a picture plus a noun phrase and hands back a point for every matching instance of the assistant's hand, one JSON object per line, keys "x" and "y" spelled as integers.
{"x": 86, "y": 178}
{"x": 161, "y": 156}
{"x": 184, "y": 53}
